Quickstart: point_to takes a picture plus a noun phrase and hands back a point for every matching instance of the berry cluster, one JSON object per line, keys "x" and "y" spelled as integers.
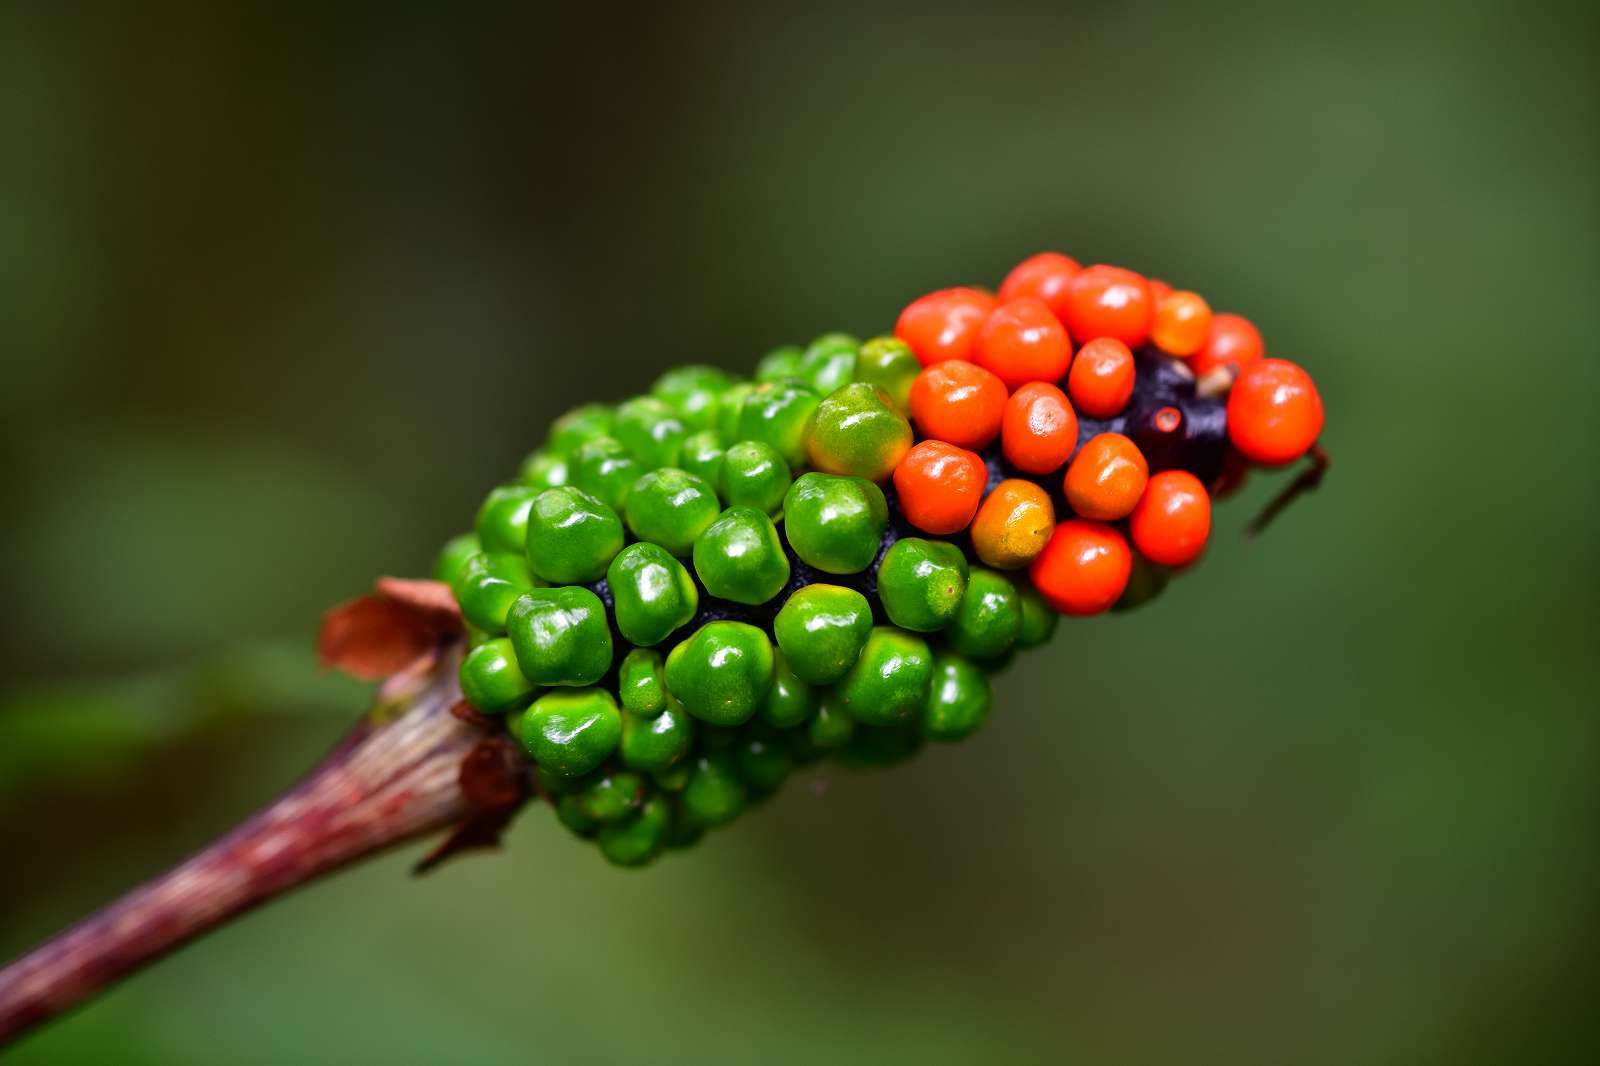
{"x": 684, "y": 596}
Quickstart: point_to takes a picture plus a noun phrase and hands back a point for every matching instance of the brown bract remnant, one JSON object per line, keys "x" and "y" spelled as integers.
{"x": 382, "y": 633}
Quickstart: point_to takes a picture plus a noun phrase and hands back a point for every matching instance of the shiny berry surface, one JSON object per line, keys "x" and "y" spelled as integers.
{"x": 1274, "y": 412}
{"x": 1039, "y": 429}
{"x": 940, "y": 486}
{"x": 958, "y": 402}
{"x": 1173, "y": 519}
{"x": 835, "y": 523}
{"x": 1181, "y": 323}
{"x": 1106, "y": 478}
{"x": 1022, "y": 341}
{"x": 1013, "y": 524}
{"x": 943, "y": 325}
{"x": 1101, "y": 381}
{"x": 1084, "y": 569}
{"x": 858, "y": 431}
{"x": 1108, "y": 301}
{"x": 1043, "y": 277}
{"x": 1232, "y": 341}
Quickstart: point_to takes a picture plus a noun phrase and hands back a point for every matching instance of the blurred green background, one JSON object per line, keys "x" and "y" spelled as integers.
{"x": 284, "y": 291}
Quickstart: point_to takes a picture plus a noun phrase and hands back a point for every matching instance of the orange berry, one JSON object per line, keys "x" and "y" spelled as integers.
{"x": 1044, "y": 277}
{"x": 958, "y": 402}
{"x": 1159, "y": 290}
{"x": 1013, "y": 525}
{"x": 1084, "y": 569}
{"x": 1039, "y": 429}
{"x": 942, "y": 325}
{"x": 1108, "y": 301}
{"x": 1022, "y": 341}
{"x": 1274, "y": 412}
{"x": 1173, "y": 519}
{"x": 1231, "y": 339}
{"x": 1101, "y": 381}
{"x": 1107, "y": 477}
{"x": 940, "y": 486}
{"x": 1181, "y": 323}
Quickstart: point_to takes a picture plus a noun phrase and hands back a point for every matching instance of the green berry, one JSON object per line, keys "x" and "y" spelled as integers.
{"x": 889, "y": 683}
{"x": 780, "y": 363}
{"x": 761, "y": 764}
{"x": 671, "y": 507}
{"x": 570, "y": 733}
{"x": 572, "y": 536}
{"x": 754, "y": 475}
{"x": 561, "y": 636}
{"x": 829, "y": 362}
{"x": 831, "y": 727}
{"x": 921, "y": 583}
{"x": 715, "y": 795}
{"x": 454, "y": 555}
{"x": 958, "y": 700}
{"x": 651, "y": 430}
{"x": 640, "y": 838}
{"x": 858, "y": 431}
{"x": 488, "y": 584}
{"x": 790, "y": 701}
{"x": 545, "y": 469}
{"x": 502, "y": 524}
{"x": 652, "y": 594}
{"x": 822, "y": 629}
{"x": 722, "y": 673}
{"x": 675, "y": 778}
{"x": 605, "y": 469}
{"x": 1038, "y": 618}
{"x": 835, "y": 523}
{"x": 702, "y": 456}
{"x": 614, "y": 796}
{"x": 778, "y": 413}
{"x": 579, "y": 426}
{"x": 740, "y": 557}
{"x": 640, "y": 683}
{"x": 989, "y": 619}
{"x": 731, "y": 409}
{"x": 570, "y": 813}
{"x": 491, "y": 680}
{"x": 693, "y": 393}
{"x": 888, "y": 363}
{"x": 655, "y": 744}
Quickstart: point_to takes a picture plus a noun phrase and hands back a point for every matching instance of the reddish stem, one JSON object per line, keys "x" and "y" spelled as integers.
{"x": 396, "y": 777}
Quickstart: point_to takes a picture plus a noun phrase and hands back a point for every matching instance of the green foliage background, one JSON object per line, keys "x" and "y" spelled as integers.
{"x": 284, "y": 291}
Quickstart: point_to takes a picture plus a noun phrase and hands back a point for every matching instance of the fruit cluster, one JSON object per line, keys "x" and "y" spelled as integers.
{"x": 684, "y": 596}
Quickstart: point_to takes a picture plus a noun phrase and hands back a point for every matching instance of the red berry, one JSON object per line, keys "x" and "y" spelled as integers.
{"x": 940, "y": 486}
{"x": 942, "y": 325}
{"x": 1173, "y": 519}
{"x": 1181, "y": 323}
{"x": 1106, "y": 477}
{"x": 958, "y": 402}
{"x": 1159, "y": 290}
{"x": 1230, "y": 340}
{"x": 1274, "y": 412}
{"x": 1101, "y": 381}
{"x": 1108, "y": 301}
{"x": 1039, "y": 429}
{"x": 1044, "y": 277}
{"x": 1021, "y": 342}
{"x": 1084, "y": 569}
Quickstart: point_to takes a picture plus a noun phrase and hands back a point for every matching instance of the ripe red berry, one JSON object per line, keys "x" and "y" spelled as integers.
{"x": 1084, "y": 569}
{"x": 1102, "y": 378}
{"x": 1181, "y": 323}
{"x": 1274, "y": 412}
{"x": 1039, "y": 429}
{"x": 1230, "y": 340}
{"x": 940, "y": 486}
{"x": 1108, "y": 301}
{"x": 1159, "y": 290}
{"x": 942, "y": 325}
{"x": 958, "y": 402}
{"x": 1022, "y": 341}
{"x": 1106, "y": 477}
{"x": 1044, "y": 277}
{"x": 1173, "y": 519}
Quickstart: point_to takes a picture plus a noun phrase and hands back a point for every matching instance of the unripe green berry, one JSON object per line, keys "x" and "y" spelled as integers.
{"x": 740, "y": 557}
{"x": 761, "y": 764}
{"x": 640, "y": 683}
{"x": 921, "y": 583}
{"x": 671, "y": 507}
{"x": 989, "y": 620}
{"x": 888, "y": 363}
{"x": 754, "y": 475}
{"x": 652, "y": 594}
{"x": 579, "y": 426}
{"x": 613, "y": 797}
{"x": 640, "y": 838}
{"x": 570, "y": 813}
{"x": 829, "y": 362}
{"x": 889, "y": 683}
{"x": 491, "y": 680}
{"x": 572, "y": 536}
{"x": 790, "y": 701}
{"x": 715, "y": 795}
{"x": 731, "y": 409}
{"x": 958, "y": 699}
{"x": 780, "y": 363}
{"x": 693, "y": 393}
{"x": 545, "y": 469}
{"x": 778, "y": 413}
{"x": 650, "y": 430}
{"x": 831, "y": 727}
{"x": 605, "y": 469}
{"x": 502, "y": 524}
{"x": 857, "y": 431}
{"x": 561, "y": 636}
{"x": 835, "y": 523}
{"x": 1039, "y": 619}
{"x": 675, "y": 778}
{"x": 454, "y": 555}
{"x": 702, "y": 456}
{"x": 570, "y": 733}
{"x": 822, "y": 629}
{"x": 488, "y": 584}
{"x": 722, "y": 673}
{"x": 655, "y": 744}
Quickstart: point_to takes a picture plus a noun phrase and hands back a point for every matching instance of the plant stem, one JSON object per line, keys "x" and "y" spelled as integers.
{"x": 397, "y": 776}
